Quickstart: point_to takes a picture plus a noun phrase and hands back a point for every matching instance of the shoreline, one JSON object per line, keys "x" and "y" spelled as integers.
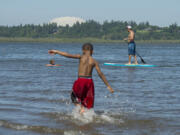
{"x": 79, "y": 40}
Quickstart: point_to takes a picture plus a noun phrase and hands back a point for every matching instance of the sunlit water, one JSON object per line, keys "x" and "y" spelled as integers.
{"x": 35, "y": 99}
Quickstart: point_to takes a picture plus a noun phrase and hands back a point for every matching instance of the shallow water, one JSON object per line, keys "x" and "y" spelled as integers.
{"x": 35, "y": 99}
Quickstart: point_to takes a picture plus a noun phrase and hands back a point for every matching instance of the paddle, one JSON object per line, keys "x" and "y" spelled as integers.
{"x": 140, "y": 58}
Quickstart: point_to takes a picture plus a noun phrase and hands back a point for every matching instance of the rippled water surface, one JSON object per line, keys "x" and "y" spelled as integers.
{"x": 35, "y": 99}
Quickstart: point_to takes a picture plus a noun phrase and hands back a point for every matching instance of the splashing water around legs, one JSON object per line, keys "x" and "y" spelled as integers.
{"x": 89, "y": 116}
{"x": 85, "y": 115}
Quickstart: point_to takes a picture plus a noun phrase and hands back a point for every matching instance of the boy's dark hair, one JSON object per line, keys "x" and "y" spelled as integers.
{"x": 88, "y": 47}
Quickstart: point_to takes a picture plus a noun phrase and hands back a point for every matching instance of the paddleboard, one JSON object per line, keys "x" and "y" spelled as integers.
{"x": 129, "y": 65}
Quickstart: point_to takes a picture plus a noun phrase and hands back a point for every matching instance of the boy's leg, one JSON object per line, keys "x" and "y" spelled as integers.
{"x": 74, "y": 99}
{"x": 82, "y": 109}
{"x": 76, "y": 104}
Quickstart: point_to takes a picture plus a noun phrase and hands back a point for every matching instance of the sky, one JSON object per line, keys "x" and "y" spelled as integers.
{"x": 157, "y": 12}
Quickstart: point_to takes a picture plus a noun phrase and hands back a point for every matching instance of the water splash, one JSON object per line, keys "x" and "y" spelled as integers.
{"x": 87, "y": 117}
{"x": 107, "y": 118}
{"x": 90, "y": 116}
{"x": 73, "y": 133}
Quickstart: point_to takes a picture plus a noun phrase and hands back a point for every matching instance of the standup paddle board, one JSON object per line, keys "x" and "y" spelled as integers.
{"x": 129, "y": 65}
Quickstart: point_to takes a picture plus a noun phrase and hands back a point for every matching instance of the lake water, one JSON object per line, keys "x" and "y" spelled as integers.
{"x": 35, "y": 99}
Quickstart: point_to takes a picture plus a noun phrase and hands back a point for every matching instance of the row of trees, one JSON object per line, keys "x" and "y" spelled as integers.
{"x": 114, "y": 30}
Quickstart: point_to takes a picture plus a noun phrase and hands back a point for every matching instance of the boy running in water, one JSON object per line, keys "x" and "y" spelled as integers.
{"x": 83, "y": 88}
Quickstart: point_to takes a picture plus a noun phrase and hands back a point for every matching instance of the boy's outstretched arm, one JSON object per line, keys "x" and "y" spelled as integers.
{"x": 101, "y": 75}
{"x": 75, "y": 56}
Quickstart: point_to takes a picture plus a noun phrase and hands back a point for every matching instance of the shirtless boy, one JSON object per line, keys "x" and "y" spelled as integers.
{"x": 83, "y": 88}
{"x": 131, "y": 45}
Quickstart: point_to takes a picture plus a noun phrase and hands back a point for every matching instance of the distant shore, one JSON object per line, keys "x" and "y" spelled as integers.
{"x": 79, "y": 40}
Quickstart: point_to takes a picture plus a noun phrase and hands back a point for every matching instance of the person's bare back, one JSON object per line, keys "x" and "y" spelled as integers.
{"x": 86, "y": 65}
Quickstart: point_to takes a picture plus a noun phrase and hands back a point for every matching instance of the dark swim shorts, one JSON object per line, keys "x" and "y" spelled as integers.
{"x": 131, "y": 48}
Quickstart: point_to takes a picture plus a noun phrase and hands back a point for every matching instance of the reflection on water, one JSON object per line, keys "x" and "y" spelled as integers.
{"x": 131, "y": 75}
{"x": 35, "y": 99}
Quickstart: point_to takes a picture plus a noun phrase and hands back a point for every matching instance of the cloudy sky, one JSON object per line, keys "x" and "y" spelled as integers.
{"x": 157, "y": 12}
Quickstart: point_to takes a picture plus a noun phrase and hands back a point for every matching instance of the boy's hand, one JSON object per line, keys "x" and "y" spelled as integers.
{"x": 110, "y": 89}
{"x": 52, "y": 52}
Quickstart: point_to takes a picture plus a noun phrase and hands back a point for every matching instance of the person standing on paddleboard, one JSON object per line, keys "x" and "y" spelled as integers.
{"x": 131, "y": 45}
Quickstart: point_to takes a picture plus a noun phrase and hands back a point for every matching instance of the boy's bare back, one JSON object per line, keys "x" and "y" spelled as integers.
{"x": 86, "y": 65}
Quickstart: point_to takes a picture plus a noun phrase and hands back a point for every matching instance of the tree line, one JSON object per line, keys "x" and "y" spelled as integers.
{"x": 113, "y": 30}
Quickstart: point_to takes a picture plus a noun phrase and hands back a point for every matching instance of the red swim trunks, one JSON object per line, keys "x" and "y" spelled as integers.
{"x": 83, "y": 90}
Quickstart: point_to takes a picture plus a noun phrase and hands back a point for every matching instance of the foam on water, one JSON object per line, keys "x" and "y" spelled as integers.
{"x": 73, "y": 133}
{"x": 86, "y": 117}
{"x": 90, "y": 116}
{"x": 13, "y": 125}
{"x": 107, "y": 118}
